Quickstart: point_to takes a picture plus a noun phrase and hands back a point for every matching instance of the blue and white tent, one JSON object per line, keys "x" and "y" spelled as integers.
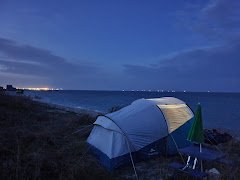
{"x": 146, "y": 128}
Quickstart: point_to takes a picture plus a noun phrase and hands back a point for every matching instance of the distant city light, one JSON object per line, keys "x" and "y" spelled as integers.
{"x": 41, "y": 89}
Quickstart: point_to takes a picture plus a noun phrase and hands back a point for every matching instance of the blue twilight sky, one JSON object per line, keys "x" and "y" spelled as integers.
{"x": 121, "y": 44}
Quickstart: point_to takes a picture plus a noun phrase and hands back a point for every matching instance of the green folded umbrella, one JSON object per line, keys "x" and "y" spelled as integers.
{"x": 196, "y": 132}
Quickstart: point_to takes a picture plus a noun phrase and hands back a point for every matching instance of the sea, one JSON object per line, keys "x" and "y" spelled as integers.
{"x": 219, "y": 110}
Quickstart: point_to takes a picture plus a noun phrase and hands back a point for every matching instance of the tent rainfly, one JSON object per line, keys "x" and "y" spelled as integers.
{"x": 146, "y": 128}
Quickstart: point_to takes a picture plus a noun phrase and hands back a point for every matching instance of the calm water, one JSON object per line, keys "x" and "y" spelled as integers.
{"x": 220, "y": 110}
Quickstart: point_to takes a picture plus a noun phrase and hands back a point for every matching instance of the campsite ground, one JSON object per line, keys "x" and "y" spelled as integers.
{"x": 36, "y": 142}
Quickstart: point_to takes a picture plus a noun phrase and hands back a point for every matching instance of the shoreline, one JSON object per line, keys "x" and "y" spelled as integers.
{"x": 92, "y": 113}
{"x": 77, "y": 110}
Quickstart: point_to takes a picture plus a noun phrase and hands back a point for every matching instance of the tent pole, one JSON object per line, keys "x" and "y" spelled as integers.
{"x": 177, "y": 148}
{"x": 132, "y": 159}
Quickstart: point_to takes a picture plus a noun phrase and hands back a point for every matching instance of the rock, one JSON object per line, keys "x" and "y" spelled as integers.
{"x": 214, "y": 171}
{"x": 214, "y": 174}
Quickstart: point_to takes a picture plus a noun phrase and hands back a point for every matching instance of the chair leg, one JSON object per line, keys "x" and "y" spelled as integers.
{"x": 195, "y": 162}
{"x": 188, "y": 160}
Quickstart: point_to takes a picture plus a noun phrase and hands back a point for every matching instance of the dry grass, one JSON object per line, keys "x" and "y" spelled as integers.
{"x": 36, "y": 142}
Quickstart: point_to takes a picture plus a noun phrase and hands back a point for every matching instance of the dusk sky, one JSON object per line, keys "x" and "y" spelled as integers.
{"x": 121, "y": 44}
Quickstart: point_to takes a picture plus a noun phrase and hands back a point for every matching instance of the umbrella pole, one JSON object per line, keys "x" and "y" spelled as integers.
{"x": 201, "y": 160}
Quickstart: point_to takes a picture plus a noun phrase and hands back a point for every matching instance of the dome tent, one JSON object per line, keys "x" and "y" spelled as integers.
{"x": 146, "y": 128}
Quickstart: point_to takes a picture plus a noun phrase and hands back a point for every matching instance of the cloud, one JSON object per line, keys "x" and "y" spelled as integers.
{"x": 29, "y": 54}
{"x": 25, "y": 65}
{"x": 216, "y": 20}
{"x": 221, "y": 17}
{"x": 204, "y": 68}
{"x": 215, "y": 68}
{"x": 38, "y": 63}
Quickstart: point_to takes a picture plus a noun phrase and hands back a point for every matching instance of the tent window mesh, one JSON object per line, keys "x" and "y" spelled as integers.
{"x": 176, "y": 115}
